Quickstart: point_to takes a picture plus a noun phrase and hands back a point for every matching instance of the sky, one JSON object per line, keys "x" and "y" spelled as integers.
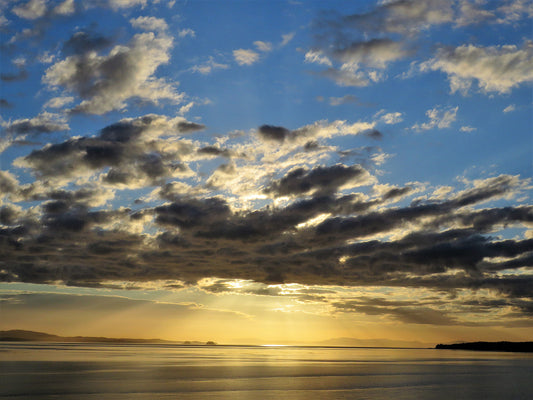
{"x": 290, "y": 172}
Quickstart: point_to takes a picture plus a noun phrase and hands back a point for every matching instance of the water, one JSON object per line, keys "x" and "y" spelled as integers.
{"x": 73, "y": 371}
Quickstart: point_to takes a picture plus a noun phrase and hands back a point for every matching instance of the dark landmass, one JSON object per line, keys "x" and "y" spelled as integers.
{"x": 17, "y": 335}
{"x": 526, "y": 347}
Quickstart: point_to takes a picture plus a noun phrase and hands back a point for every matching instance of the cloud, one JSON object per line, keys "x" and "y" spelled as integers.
{"x": 286, "y": 38}
{"x": 5, "y": 104}
{"x": 118, "y": 4}
{"x": 376, "y": 53}
{"x": 21, "y": 75}
{"x": 400, "y": 16}
{"x": 208, "y": 67}
{"x": 323, "y": 180}
{"x": 67, "y": 7}
{"x": 32, "y": 9}
{"x": 390, "y": 118}
{"x": 43, "y": 123}
{"x": 509, "y": 108}
{"x": 245, "y": 57}
{"x": 263, "y": 46}
{"x": 467, "y": 129}
{"x": 186, "y": 32}
{"x": 149, "y": 24}
{"x": 496, "y": 68}
{"x": 83, "y": 42}
{"x": 58, "y": 102}
{"x": 320, "y": 129}
{"x": 134, "y": 150}
{"x": 337, "y": 101}
{"x": 107, "y": 82}
{"x": 317, "y": 57}
{"x": 438, "y": 118}
{"x": 471, "y": 13}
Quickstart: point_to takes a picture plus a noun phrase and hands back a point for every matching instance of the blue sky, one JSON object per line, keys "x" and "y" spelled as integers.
{"x": 362, "y": 166}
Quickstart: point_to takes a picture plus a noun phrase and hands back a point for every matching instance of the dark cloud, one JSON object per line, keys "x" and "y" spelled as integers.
{"x": 21, "y": 75}
{"x": 319, "y": 179}
{"x": 107, "y": 82}
{"x": 374, "y": 134}
{"x": 400, "y": 16}
{"x": 5, "y": 104}
{"x": 215, "y": 151}
{"x": 83, "y": 42}
{"x": 188, "y": 127}
{"x": 193, "y": 213}
{"x": 273, "y": 133}
{"x": 365, "y": 43}
{"x": 128, "y": 147}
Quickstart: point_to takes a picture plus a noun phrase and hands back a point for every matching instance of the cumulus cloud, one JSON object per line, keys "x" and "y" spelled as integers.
{"x": 32, "y": 9}
{"x": 495, "y": 68}
{"x": 135, "y": 151}
{"x": 245, "y": 57}
{"x": 149, "y": 24}
{"x": 438, "y": 118}
{"x": 107, "y": 82}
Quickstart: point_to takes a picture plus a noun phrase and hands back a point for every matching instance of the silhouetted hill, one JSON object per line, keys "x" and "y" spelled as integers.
{"x": 17, "y": 335}
{"x": 490, "y": 346}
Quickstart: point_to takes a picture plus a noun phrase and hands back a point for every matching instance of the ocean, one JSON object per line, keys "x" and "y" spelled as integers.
{"x": 78, "y": 371}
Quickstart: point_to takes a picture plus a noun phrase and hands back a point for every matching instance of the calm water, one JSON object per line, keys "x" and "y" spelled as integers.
{"x": 123, "y": 372}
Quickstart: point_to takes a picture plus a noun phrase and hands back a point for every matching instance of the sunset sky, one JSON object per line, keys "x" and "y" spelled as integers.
{"x": 267, "y": 171}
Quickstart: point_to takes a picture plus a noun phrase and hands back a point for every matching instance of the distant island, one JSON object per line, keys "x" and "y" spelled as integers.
{"x": 526, "y": 347}
{"x": 18, "y": 335}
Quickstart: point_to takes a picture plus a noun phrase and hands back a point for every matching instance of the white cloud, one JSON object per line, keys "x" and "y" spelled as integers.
{"x": 285, "y": 39}
{"x": 467, "y": 129}
{"x": 317, "y": 57}
{"x": 149, "y": 24}
{"x": 392, "y": 118}
{"x": 186, "y": 108}
{"x": 207, "y": 67}
{"x": 32, "y": 9}
{"x": 116, "y": 4}
{"x": 58, "y": 102}
{"x": 65, "y": 8}
{"x": 376, "y": 53}
{"x": 438, "y": 118}
{"x": 245, "y": 57}
{"x": 186, "y": 32}
{"x": 496, "y": 69}
{"x": 471, "y": 13}
{"x": 46, "y": 57}
{"x": 263, "y": 46}
{"x": 509, "y": 108}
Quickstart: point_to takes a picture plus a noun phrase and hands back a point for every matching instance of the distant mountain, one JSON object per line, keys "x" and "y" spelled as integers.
{"x": 17, "y": 335}
{"x": 352, "y": 342}
{"x": 526, "y": 347}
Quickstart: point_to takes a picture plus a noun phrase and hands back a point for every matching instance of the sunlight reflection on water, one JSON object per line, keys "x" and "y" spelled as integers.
{"x": 68, "y": 371}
